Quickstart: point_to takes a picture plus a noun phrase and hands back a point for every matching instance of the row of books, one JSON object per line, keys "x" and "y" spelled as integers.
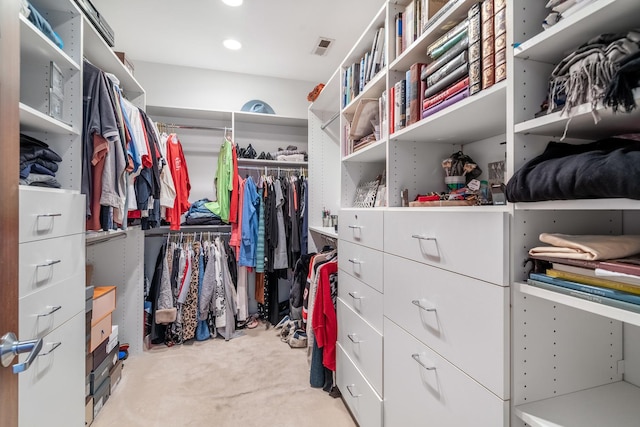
{"x": 358, "y": 74}
{"x": 468, "y": 58}
{"x": 413, "y": 21}
{"x": 615, "y": 283}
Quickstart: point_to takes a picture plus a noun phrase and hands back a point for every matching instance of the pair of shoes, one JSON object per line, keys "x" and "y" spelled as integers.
{"x": 252, "y": 323}
{"x": 282, "y": 322}
{"x": 298, "y": 339}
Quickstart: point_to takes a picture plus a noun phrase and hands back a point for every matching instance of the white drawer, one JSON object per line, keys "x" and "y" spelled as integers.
{"x": 362, "y": 343}
{"x": 358, "y": 395}
{"x": 59, "y": 373}
{"x": 50, "y": 261}
{"x": 362, "y": 226}
{"x": 46, "y": 213}
{"x": 470, "y": 322}
{"x": 361, "y": 298}
{"x": 436, "y": 394}
{"x": 39, "y": 312}
{"x": 471, "y": 243}
{"x": 362, "y": 263}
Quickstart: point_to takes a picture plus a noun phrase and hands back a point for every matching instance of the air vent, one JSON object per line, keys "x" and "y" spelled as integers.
{"x": 322, "y": 46}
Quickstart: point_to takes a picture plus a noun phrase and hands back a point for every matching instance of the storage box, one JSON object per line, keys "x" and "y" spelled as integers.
{"x": 104, "y": 302}
{"x": 98, "y": 376}
{"x": 113, "y": 338}
{"x": 100, "y": 332}
{"x": 115, "y": 375}
{"x": 126, "y": 61}
{"x": 99, "y": 354}
{"x": 101, "y": 396}
{"x": 88, "y": 412}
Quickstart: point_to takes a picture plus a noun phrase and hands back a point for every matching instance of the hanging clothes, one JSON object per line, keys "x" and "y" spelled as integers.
{"x": 181, "y": 182}
{"x": 280, "y": 252}
{"x": 249, "y": 240}
{"x": 224, "y": 181}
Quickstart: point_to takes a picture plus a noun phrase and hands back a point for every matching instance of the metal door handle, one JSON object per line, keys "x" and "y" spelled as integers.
{"x": 353, "y": 295}
{"x": 351, "y": 392}
{"x": 417, "y": 303}
{"x": 10, "y": 347}
{"x": 49, "y": 215}
{"x": 354, "y": 261}
{"x": 355, "y": 226}
{"x": 51, "y": 311}
{"x": 49, "y": 263}
{"x": 419, "y": 237}
{"x": 352, "y": 337}
{"x": 416, "y": 357}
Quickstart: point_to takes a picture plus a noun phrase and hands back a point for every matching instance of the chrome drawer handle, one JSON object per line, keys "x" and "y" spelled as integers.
{"x": 416, "y": 357}
{"x": 49, "y": 215}
{"x": 51, "y": 311}
{"x": 351, "y": 392}
{"x": 352, "y": 337}
{"x": 355, "y": 261}
{"x": 355, "y": 226}
{"x": 419, "y": 237}
{"x": 353, "y": 295}
{"x": 49, "y": 263}
{"x": 417, "y": 303}
{"x": 53, "y": 348}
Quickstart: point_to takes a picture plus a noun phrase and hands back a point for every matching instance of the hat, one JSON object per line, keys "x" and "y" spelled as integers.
{"x": 257, "y": 106}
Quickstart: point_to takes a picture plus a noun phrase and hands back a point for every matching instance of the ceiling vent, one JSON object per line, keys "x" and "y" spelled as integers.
{"x": 322, "y": 46}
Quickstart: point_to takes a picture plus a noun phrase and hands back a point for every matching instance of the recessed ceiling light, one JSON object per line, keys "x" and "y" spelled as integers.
{"x": 233, "y": 3}
{"x": 232, "y": 44}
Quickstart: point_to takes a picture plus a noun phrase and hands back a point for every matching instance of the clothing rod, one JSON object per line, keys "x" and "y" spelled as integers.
{"x": 262, "y": 168}
{"x": 328, "y": 122}
{"x": 174, "y": 126}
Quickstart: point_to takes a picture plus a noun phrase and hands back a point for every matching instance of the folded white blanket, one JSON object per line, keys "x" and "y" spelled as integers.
{"x": 587, "y": 247}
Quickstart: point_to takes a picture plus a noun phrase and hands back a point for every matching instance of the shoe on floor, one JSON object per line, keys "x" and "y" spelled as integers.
{"x": 298, "y": 339}
{"x": 281, "y": 323}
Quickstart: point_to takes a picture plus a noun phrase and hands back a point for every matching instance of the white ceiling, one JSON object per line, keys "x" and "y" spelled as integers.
{"x": 278, "y": 36}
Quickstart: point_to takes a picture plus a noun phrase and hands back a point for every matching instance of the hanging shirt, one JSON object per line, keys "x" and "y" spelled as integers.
{"x": 281, "y": 259}
{"x": 180, "y": 174}
{"x": 325, "y": 321}
{"x": 250, "y": 206}
{"x": 224, "y": 182}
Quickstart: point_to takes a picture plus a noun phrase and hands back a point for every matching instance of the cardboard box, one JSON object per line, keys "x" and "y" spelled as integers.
{"x": 88, "y": 412}
{"x": 100, "y": 332}
{"x": 126, "y": 61}
{"x": 115, "y": 375}
{"x": 113, "y": 338}
{"x": 98, "y": 375}
{"x": 99, "y": 354}
{"x": 104, "y": 302}
{"x": 101, "y": 396}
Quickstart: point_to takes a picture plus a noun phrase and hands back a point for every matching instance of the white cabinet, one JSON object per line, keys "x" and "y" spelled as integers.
{"x": 363, "y": 402}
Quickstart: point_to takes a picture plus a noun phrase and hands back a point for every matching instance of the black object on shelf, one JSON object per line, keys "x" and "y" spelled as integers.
{"x": 97, "y": 20}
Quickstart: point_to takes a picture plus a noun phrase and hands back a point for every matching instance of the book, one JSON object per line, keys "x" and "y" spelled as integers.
{"x": 378, "y": 62}
{"x": 444, "y": 104}
{"x": 475, "y": 49}
{"x": 594, "y": 290}
{"x": 593, "y": 280}
{"x": 629, "y": 265}
{"x": 450, "y": 91}
{"x": 399, "y": 34}
{"x": 598, "y": 272}
{"x": 569, "y": 261}
{"x": 448, "y": 45}
{"x": 445, "y": 70}
{"x": 586, "y": 296}
{"x": 408, "y": 22}
{"x": 407, "y": 95}
{"x": 488, "y": 44}
{"x": 500, "y": 41}
{"x": 400, "y": 111}
{"x": 459, "y": 47}
{"x": 451, "y": 34}
{"x": 392, "y": 109}
{"x": 415, "y": 106}
{"x": 457, "y": 74}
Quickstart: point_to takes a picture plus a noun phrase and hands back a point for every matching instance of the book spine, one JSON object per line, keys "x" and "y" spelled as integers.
{"x": 458, "y": 74}
{"x": 500, "y": 42}
{"x": 452, "y": 33}
{"x": 444, "y": 104}
{"x": 586, "y": 296}
{"x": 488, "y": 44}
{"x": 603, "y": 292}
{"x": 392, "y": 109}
{"x": 593, "y": 281}
{"x": 461, "y": 46}
{"x": 398, "y": 34}
{"x": 475, "y": 49}
{"x": 415, "y": 107}
{"x": 407, "y": 95}
{"x": 448, "y": 68}
{"x": 434, "y": 100}
{"x": 400, "y": 111}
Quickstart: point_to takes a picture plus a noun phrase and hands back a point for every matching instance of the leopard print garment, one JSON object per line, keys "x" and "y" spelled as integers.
{"x": 190, "y": 307}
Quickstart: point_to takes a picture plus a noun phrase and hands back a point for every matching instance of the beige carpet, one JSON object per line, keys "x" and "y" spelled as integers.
{"x": 254, "y": 380}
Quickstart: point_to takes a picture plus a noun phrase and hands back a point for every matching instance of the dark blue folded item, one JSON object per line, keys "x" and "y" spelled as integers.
{"x": 44, "y": 26}
{"x": 35, "y": 168}
{"x": 38, "y": 180}
{"x": 31, "y": 152}
{"x": 608, "y": 168}
{"x": 52, "y": 166}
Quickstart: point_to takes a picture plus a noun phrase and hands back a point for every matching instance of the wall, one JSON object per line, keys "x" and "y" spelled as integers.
{"x": 176, "y": 86}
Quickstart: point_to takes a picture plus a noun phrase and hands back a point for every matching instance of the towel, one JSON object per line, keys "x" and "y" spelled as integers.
{"x": 587, "y": 247}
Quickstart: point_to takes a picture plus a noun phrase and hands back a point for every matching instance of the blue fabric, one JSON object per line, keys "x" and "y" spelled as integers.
{"x": 44, "y": 26}
{"x": 304, "y": 233}
{"x": 249, "y": 241}
{"x": 202, "y": 331}
{"x": 316, "y": 370}
{"x": 35, "y": 168}
{"x": 260, "y": 246}
{"x": 132, "y": 149}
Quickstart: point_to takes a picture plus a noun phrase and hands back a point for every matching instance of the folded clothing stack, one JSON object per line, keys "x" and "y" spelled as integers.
{"x": 561, "y": 9}
{"x": 289, "y": 154}
{"x": 199, "y": 214}
{"x": 40, "y": 23}
{"x": 38, "y": 163}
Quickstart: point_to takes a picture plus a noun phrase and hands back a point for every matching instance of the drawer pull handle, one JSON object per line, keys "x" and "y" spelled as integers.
{"x": 51, "y": 311}
{"x": 352, "y": 337}
{"x": 349, "y": 387}
{"x": 49, "y": 215}
{"x": 353, "y": 295}
{"x": 53, "y": 348}
{"x": 416, "y": 357}
{"x": 355, "y": 227}
{"x": 354, "y": 261}
{"x": 418, "y": 304}
{"x": 419, "y": 237}
{"x": 49, "y": 263}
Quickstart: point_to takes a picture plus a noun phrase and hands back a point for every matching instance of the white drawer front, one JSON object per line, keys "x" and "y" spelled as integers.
{"x": 362, "y": 400}
{"x": 361, "y": 298}
{"x": 463, "y": 319}
{"x": 471, "y": 243}
{"x": 59, "y": 373}
{"x": 42, "y": 312}
{"x": 50, "y": 261}
{"x": 362, "y": 343}
{"x": 361, "y": 226}
{"x": 362, "y": 263}
{"x": 46, "y": 213}
{"x": 436, "y": 394}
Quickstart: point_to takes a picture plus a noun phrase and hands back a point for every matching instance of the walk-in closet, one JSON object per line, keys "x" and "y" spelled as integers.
{"x": 367, "y": 213}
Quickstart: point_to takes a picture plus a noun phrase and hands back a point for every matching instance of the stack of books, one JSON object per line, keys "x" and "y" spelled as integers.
{"x": 615, "y": 283}
{"x": 358, "y": 74}
{"x": 447, "y": 77}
